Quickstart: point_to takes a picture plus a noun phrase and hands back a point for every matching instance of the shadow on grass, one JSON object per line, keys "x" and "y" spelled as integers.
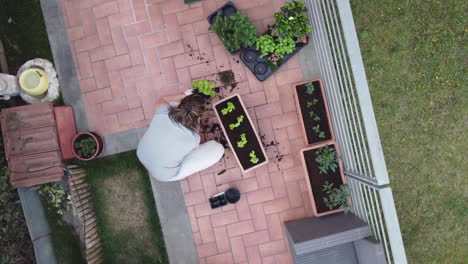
{"x": 128, "y": 223}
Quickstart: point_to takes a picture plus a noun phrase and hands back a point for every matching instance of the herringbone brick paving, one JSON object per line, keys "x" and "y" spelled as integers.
{"x": 131, "y": 52}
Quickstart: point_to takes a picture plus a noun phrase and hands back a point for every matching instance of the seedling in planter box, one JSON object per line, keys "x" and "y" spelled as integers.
{"x": 312, "y": 103}
{"x": 337, "y": 197}
{"x": 327, "y": 160}
{"x": 314, "y": 116}
{"x": 310, "y": 88}
{"x": 253, "y": 157}
{"x": 239, "y": 121}
{"x": 229, "y": 108}
{"x": 243, "y": 141}
{"x": 204, "y": 87}
{"x": 317, "y": 130}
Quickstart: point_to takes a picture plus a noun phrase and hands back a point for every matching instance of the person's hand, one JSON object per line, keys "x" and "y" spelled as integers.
{"x": 188, "y": 92}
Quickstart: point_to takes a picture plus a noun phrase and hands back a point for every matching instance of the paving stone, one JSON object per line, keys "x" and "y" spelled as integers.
{"x": 138, "y": 28}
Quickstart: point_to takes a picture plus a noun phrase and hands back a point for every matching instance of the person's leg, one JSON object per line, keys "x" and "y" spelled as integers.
{"x": 202, "y": 157}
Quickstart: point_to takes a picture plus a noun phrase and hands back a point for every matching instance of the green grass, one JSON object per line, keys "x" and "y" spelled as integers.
{"x": 123, "y": 176}
{"x": 23, "y": 32}
{"x": 415, "y": 54}
{"x": 66, "y": 243}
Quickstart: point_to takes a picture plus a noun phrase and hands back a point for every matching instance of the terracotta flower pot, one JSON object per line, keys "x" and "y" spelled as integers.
{"x": 232, "y": 136}
{"x": 321, "y": 108}
{"x": 99, "y": 144}
{"x": 316, "y": 180}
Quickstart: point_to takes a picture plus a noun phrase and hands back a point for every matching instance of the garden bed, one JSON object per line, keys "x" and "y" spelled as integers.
{"x": 240, "y": 133}
{"x": 316, "y": 180}
{"x": 313, "y": 110}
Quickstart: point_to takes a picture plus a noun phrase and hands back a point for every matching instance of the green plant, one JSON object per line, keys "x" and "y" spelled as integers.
{"x": 228, "y": 109}
{"x": 86, "y": 146}
{"x": 204, "y": 87}
{"x": 327, "y": 159}
{"x": 336, "y": 197}
{"x": 312, "y": 103}
{"x": 239, "y": 121}
{"x": 317, "y": 130}
{"x": 310, "y": 88}
{"x": 253, "y": 157}
{"x": 268, "y": 44}
{"x": 316, "y": 118}
{"x": 243, "y": 141}
{"x": 56, "y": 197}
{"x": 292, "y": 21}
{"x": 235, "y": 31}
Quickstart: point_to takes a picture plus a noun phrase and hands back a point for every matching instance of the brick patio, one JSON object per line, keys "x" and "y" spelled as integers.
{"x": 130, "y": 52}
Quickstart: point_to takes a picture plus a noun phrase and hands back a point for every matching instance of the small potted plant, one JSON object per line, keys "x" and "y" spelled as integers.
{"x": 324, "y": 172}
{"x": 204, "y": 88}
{"x": 313, "y": 111}
{"x": 87, "y": 145}
{"x": 235, "y": 31}
{"x": 280, "y": 42}
{"x": 240, "y": 133}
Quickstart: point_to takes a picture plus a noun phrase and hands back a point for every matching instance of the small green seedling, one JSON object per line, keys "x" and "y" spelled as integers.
{"x": 337, "y": 197}
{"x": 243, "y": 141}
{"x": 312, "y": 103}
{"x": 253, "y": 157}
{"x": 239, "y": 121}
{"x": 310, "y": 88}
{"x": 327, "y": 159}
{"x": 204, "y": 87}
{"x": 229, "y": 108}
{"x": 317, "y": 130}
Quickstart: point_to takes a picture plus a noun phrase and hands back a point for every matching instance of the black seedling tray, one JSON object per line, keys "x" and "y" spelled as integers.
{"x": 231, "y": 195}
{"x": 259, "y": 66}
{"x": 228, "y": 10}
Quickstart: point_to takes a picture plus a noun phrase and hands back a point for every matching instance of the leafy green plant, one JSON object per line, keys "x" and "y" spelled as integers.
{"x": 316, "y": 118}
{"x": 239, "y": 121}
{"x": 268, "y": 44}
{"x": 243, "y": 141}
{"x": 327, "y": 159}
{"x": 85, "y": 147}
{"x": 253, "y": 157}
{"x": 317, "y": 130}
{"x": 310, "y": 88}
{"x": 336, "y": 197}
{"x": 235, "y": 31}
{"x": 204, "y": 87}
{"x": 292, "y": 21}
{"x": 312, "y": 103}
{"x": 56, "y": 197}
{"x": 228, "y": 109}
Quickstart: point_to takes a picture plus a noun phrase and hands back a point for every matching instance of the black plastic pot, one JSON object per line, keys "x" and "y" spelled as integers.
{"x": 231, "y": 195}
{"x": 228, "y": 10}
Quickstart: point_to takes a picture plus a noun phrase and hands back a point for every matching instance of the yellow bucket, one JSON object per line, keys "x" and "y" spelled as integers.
{"x": 34, "y": 81}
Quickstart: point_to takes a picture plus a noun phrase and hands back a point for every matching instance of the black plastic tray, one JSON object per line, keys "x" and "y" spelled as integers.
{"x": 257, "y": 63}
{"x": 227, "y": 9}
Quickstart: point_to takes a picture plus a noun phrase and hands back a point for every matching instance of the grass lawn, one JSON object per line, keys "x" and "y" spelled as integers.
{"x": 414, "y": 52}
{"x": 126, "y": 212}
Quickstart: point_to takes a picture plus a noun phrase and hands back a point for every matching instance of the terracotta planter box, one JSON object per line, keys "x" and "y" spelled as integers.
{"x": 315, "y": 180}
{"x": 321, "y": 115}
{"x": 234, "y": 135}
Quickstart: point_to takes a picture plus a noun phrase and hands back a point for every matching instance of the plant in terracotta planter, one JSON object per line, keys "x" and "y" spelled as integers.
{"x": 240, "y": 133}
{"x": 235, "y": 31}
{"x": 323, "y": 168}
{"x": 338, "y": 198}
{"x": 313, "y": 110}
{"x": 87, "y": 145}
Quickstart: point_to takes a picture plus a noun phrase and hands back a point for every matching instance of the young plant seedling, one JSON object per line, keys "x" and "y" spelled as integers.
{"x": 327, "y": 159}
{"x": 310, "y": 88}
{"x": 204, "y": 87}
{"x": 312, "y": 103}
{"x": 229, "y": 108}
{"x": 243, "y": 141}
{"x": 317, "y": 130}
{"x": 337, "y": 197}
{"x": 253, "y": 157}
{"x": 239, "y": 121}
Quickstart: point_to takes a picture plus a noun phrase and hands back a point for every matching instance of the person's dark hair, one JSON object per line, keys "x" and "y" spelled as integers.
{"x": 188, "y": 112}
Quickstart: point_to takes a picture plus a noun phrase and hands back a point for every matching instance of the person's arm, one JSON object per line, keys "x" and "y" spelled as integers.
{"x": 168, "y": 100}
